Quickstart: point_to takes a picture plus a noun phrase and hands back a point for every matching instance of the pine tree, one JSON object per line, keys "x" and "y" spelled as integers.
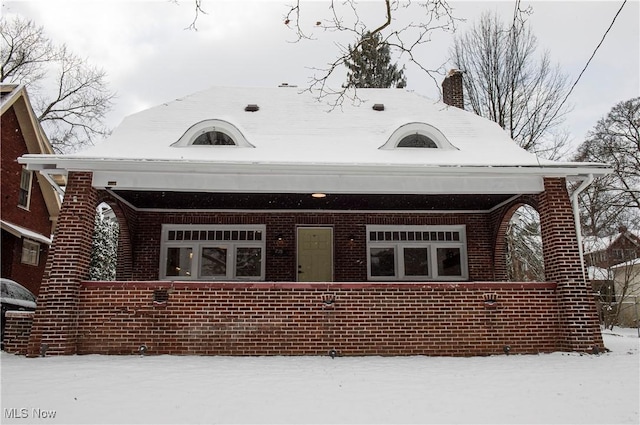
{"x": 370, "y": 65}
{"x": 104, "y": 249}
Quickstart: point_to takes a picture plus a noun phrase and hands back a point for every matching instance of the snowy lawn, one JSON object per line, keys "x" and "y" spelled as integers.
{"x": 548, "y": 388}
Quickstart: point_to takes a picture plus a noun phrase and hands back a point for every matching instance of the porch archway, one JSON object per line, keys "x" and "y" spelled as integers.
{"x": 516, "y": 259}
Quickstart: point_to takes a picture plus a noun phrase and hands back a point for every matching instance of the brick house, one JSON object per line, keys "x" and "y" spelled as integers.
{"x": 30, "y": 205}
{"x": 612, "y": 264}
{"x": 257, "y": 222}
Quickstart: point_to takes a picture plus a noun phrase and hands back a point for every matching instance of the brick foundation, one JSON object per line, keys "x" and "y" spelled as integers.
{"x": 311, "y": 319}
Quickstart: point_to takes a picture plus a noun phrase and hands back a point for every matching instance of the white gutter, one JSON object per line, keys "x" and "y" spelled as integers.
{"x": 586, "y": 181}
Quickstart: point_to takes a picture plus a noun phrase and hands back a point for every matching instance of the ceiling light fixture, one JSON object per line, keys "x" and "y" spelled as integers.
{"x": 319, "y": 195}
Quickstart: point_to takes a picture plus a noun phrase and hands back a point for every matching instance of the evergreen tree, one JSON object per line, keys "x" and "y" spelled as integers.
{"x": 370, "y": 66}
{"x": 104, "y": 249}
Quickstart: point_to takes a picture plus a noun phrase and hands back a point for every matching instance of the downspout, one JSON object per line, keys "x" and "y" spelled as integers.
{"x": 586, "y": 181}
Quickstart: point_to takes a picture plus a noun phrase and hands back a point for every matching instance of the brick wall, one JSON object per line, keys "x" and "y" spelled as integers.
{"x": 74, "y": 316}
{"x": 54, "y": 324}
{"x": 36, "y": 218}
{"x": 562, "y": 265}
{"x": 293, "y": 319}
{"x": 17, "y": 330}
{"x": 350, "y": 255}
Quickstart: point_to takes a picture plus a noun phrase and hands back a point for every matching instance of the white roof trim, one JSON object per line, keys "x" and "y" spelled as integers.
{"x": 21, "y": 232}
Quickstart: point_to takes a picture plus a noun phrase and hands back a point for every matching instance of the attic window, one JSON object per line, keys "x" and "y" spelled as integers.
{"x": 213, "y": 133}
{"x": 216, "y": 138}
{"x": 418, "y": 135}
{"x": 417, "y": 141}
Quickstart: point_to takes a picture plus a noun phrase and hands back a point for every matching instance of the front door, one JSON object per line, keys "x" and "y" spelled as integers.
{"x": 315, "y": 254}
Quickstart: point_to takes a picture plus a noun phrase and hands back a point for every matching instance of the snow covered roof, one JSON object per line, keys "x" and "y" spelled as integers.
{"x": 292, "y": 134}
{"x": 598, "y": 273}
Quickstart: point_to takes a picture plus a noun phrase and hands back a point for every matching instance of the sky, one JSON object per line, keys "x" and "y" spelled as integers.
{"x": 151, "y": 57}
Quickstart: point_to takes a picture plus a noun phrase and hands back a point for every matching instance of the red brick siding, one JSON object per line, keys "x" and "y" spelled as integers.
{"x": 68, "y": 264}
{"x": 36, "y": 218}
{"x": 292, "y": 319}
{"x": 17, "y": 330}
{"x": 281, "y": 318}
{"x": 349, "y": 256}
{"x": 562, "y": 265}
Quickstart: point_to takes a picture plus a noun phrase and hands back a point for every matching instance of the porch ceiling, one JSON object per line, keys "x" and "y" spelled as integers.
{"x": 304, "y": 201}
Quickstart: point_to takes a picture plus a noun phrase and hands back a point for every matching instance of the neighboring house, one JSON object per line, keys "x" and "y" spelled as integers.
{"x": 602, "y": 253}
{"x": 254, "y": 221}
{"x": 606, "y": 251}
{"x": 612, "y": 262}
{"x": 626, "y": 280}
{"x": 30, "y": 205}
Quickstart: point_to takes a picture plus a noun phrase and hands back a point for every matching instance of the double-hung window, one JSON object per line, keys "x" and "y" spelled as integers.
{"x": 416, "y": 253}
{"x": 212, "y": 252}
{"x": 30, "y": 252}
{"x": 24, "y": 194}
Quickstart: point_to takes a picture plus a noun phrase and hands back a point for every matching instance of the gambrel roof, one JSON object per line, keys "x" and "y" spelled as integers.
{"x": 288, "y": 141}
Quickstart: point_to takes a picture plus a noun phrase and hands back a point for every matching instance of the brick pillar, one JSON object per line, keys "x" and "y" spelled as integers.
{"x": 562, "y": 266}
{"x": 452, "y": 89}
{"x": 55, "y": 320}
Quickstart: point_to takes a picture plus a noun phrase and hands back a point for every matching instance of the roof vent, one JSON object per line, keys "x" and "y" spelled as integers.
{"x": 287, "y": 85}
{"x": 378, "y": 107}
{"x": 252, "y": 107}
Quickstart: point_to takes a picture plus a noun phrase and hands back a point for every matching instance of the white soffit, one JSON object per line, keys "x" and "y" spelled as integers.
{"x": 275, "y": 182}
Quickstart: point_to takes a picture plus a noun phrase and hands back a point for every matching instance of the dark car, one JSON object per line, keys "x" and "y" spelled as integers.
{"x": 15, "y": 297}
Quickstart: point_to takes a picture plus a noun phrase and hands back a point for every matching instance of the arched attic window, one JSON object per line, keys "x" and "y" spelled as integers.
{"x": 417, "y": 135}
{"x": 213, "y": 133}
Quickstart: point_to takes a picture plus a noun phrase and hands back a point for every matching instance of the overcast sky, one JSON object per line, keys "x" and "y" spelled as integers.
{"x": 150, "y": 58}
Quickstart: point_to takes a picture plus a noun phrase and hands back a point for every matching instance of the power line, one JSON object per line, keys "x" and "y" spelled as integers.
{"x": 589, "y": 61}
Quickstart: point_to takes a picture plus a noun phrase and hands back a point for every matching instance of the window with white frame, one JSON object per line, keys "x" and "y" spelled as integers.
{"x": 30, "y": 252}
{"x": 212, "y": 252}
{"x": 24, "y": 195}
{"x": 417, "y": 253}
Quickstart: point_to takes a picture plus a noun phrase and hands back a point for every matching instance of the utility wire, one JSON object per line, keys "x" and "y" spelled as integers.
{"x": 589, "y": 61}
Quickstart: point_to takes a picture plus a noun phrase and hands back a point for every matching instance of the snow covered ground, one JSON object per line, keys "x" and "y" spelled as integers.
{"x": 547, "y": 388}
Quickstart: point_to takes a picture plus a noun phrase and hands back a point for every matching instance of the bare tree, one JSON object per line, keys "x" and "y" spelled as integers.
{"x": 618, "y": 295}
{"x": 506, "y": 82}
{"x": 615, "y": 140}
{"x": 524, "y": 246}
{"x": 344, "y": 20}
{"x": 69, "y": 95}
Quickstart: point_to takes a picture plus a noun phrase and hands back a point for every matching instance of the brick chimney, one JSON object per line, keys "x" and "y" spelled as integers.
{"x": 452, "y": 92}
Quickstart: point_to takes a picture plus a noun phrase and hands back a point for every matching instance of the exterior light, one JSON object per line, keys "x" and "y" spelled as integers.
{"x": 319, "y": 195}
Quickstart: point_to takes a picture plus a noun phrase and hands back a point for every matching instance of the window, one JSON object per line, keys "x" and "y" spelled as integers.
{"x": 24, "y": 196}
{"x": 417, "y": 141}
{"x": 216, "y": 138}
{"x": 417, "y": 253}
{"x": 418, "y": 135}
{"x": 213, "y": 133}
{"x": 212, "y": 252}
{"x": 30, "y": 252}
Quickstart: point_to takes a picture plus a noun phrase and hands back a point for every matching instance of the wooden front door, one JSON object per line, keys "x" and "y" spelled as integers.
{"x": 315, "y": 254}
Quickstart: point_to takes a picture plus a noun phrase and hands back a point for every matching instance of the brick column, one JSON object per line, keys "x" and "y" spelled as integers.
{"x": 55, "y": 321}
{"x": 562, "y": 266}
